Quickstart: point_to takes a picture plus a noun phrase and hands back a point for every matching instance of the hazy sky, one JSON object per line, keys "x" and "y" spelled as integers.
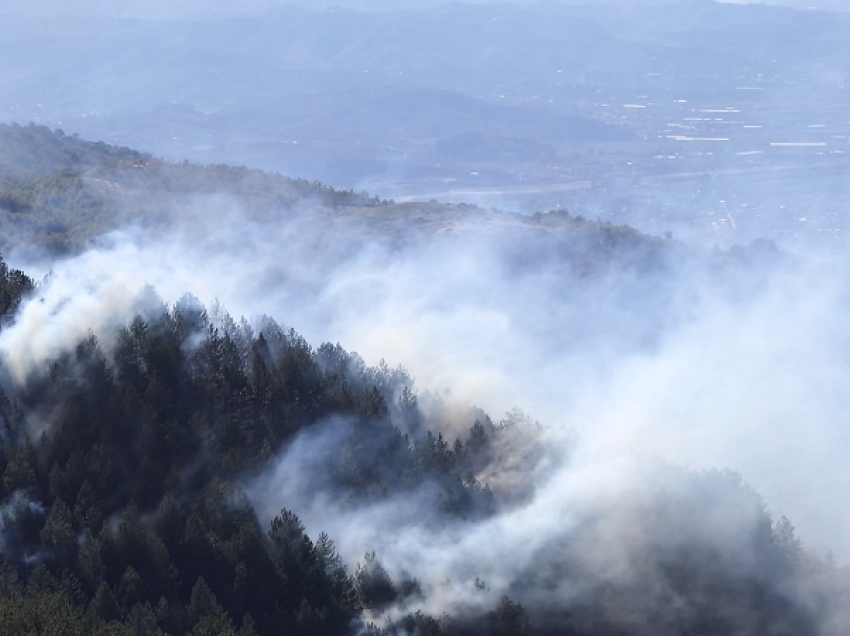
{"x": 166, "y": 8}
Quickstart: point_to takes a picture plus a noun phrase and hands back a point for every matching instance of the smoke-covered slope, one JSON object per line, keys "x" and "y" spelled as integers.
{"x": 166, "y": 468}
{"x": 60, "y": 192}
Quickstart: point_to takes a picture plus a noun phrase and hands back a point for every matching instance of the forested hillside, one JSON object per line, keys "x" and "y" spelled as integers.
{"x": 123, "y": 465}
{"x": 58, "y": 191}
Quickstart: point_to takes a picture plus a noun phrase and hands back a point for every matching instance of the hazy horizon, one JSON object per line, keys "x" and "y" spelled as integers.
{"x": 424, "y": 319}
